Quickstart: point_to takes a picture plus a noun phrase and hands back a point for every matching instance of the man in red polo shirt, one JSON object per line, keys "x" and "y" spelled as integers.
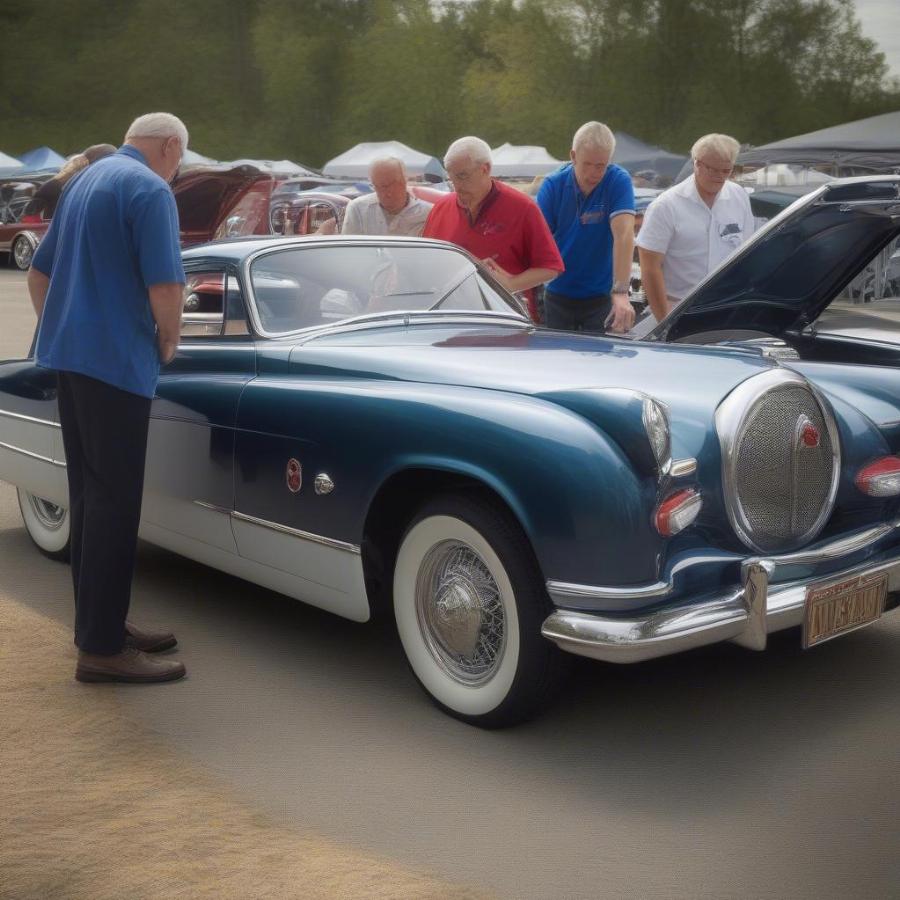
{"x": 497, "y": 224}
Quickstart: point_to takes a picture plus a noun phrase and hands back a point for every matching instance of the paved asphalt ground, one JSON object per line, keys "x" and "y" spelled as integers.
{"x": 722, "y": 773}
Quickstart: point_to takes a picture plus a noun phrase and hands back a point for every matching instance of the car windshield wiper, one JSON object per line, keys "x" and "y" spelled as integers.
{"x": 454, "y": 287}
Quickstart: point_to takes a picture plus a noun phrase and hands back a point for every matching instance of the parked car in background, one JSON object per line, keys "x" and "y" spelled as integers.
{"x": 19, "y": 235}
{"x": 374, "y": 424}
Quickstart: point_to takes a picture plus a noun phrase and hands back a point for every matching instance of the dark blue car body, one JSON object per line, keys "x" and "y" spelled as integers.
{"x": 384, "y": 413}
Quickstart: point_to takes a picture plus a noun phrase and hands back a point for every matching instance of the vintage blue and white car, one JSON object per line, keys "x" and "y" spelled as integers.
{"x": 365, "y": 423}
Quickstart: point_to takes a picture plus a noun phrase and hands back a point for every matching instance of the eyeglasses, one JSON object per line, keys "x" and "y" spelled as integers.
{"x": 713, "y": 170}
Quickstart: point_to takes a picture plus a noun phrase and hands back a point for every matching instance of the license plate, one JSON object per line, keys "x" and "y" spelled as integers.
{"x": 834, "y": 609}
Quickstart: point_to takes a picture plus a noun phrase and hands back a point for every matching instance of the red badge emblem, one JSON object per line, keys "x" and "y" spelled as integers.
{"x": 807, "y": 436}
{"x": 293, "y": 476}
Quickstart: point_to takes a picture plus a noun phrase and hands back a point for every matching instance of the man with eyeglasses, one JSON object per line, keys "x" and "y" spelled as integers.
{"x": 589, "y": 206}
{"x": 107, "y": 285}
{"x": 497, "y": 224}
{"x": 692, "y": 227}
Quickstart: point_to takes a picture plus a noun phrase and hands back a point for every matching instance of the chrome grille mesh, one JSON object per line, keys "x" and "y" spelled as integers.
{"x": 779, "y": 490}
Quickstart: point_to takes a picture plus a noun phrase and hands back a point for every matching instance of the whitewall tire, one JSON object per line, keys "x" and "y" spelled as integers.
{"x": 469, "y": 601}
{"x": 46, "y": 523}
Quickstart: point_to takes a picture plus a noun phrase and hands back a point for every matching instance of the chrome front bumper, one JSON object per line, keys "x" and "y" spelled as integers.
{"x": 745, "y": 616}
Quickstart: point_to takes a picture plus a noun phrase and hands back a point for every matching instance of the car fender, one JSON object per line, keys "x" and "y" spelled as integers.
{"x": 584, "y": 508}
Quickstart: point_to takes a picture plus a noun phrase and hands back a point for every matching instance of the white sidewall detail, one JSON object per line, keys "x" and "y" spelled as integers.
{"x": 465, "y": 699}
{"x": 53, "y": 540}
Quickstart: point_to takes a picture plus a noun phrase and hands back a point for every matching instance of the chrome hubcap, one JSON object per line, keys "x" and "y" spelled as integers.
{"x": 460, "y": 612}
{"x": 48, "y": 514}
{"x": 22, "y": 253}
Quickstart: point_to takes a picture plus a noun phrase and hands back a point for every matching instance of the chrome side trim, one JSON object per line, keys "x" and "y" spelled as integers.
{"x": 295, "y": 532}
{"x": 746, "y": 616}
{"x": 561, "y": 592}
{"x": 29, "y": 453}
{"x": 682, "y": 467}
{"x": 212, "y": 506}
{"x": 14, "y": 415}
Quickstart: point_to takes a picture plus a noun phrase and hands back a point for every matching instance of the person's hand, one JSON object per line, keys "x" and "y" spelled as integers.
{"x": 167, "y": 351}
{"x": 329, "y": 226}
{"x": 498, "y": 272}
{"x": 621, "y": 319}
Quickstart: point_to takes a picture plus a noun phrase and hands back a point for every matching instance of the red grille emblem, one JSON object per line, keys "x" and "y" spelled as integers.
{"x": 808, "y": 437}
{"x": 293, "y": 476}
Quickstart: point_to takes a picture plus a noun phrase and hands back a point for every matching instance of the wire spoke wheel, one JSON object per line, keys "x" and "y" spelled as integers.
{"x": 460, "y": 612}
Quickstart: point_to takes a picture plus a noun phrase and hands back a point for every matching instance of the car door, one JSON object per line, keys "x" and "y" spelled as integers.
{"x": 188, "y": 489}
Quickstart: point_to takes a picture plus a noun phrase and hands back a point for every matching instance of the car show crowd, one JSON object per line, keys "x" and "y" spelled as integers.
{"x": 575, "y": 240}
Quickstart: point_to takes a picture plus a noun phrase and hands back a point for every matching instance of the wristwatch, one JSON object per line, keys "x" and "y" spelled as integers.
{"x": 619, "y": 288}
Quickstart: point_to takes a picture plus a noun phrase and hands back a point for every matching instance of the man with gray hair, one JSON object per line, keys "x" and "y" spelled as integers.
{"x": 589, "y": 206}
{"x": 497, "y": 224}
{"x": 392, "y": 209}
{"x": 694, "y": 225}
{"x": 106, "y": 283}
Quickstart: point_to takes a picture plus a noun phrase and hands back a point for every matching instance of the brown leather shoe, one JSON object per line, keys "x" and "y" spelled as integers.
{"x": 131, "y": 665}
{"x": 148, "y": 641}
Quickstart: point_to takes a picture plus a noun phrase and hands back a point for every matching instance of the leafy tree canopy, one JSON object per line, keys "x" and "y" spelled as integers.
{"x": 306, "y": 79}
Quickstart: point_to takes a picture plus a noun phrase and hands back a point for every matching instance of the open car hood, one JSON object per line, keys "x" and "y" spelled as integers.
{"x": 792, "y": 268}
{"x": 205, "y": 195}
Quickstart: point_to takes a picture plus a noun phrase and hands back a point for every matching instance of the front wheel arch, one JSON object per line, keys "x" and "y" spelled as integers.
{"x": 390, "y": 512}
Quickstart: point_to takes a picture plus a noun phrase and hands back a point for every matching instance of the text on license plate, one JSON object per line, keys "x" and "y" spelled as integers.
{"x": 841, "y": 607}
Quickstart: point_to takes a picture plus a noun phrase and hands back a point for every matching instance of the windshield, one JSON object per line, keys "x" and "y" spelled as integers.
{"x": 301, "y": 287}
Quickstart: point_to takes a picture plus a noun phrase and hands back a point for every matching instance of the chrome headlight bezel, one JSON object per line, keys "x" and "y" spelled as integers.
{"x": 655, "y": 417}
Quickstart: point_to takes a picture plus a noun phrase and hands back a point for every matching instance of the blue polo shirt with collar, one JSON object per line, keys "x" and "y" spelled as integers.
{"x": 114, "y": 234}
{"x": 581, "y": 227}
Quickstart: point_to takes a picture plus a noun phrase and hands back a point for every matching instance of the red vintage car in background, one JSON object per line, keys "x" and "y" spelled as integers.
{"x": 20, "y": 234}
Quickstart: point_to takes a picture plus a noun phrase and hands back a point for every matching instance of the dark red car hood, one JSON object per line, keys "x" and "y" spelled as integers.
{"x": 205, "y": 196}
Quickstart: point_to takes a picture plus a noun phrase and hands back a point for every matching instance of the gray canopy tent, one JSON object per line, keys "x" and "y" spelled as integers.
{"x": 868, "y": 144}
{"x": 636, "y": 156}
{"x": 354, "y": 163}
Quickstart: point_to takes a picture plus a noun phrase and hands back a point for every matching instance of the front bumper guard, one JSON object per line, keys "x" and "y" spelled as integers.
{"x": 745, "y": 616}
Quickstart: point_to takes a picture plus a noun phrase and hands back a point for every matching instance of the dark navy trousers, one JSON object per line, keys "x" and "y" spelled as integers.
{"x": 104, "y": 431}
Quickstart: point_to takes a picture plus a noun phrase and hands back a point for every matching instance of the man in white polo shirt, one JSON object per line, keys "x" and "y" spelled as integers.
{"x": 690, "y": 228}
{"x": 391, "y": 209}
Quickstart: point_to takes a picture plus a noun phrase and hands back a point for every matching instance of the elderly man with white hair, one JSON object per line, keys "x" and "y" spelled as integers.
{"x": 496, "y": 223}
{"x": 589, "y": 206}
{"x": 694, "y": 225}
{"x": 392, "y": 209}
{"x": 107, "y": 285}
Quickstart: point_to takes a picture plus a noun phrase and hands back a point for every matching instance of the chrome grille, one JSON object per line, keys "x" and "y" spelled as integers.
{"x": 779, "y": 492}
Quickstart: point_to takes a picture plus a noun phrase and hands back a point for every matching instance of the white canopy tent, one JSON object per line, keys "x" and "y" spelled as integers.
{"x": 9, "y": 165}
{"x": 522, "y": 161}
{"x": 281, "y": 166}
{"x": 354, "y": 163}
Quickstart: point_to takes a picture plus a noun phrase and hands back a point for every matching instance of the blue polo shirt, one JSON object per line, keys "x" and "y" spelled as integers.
{"x": 114, "y": 234}
{"x": 580, "y": 227}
